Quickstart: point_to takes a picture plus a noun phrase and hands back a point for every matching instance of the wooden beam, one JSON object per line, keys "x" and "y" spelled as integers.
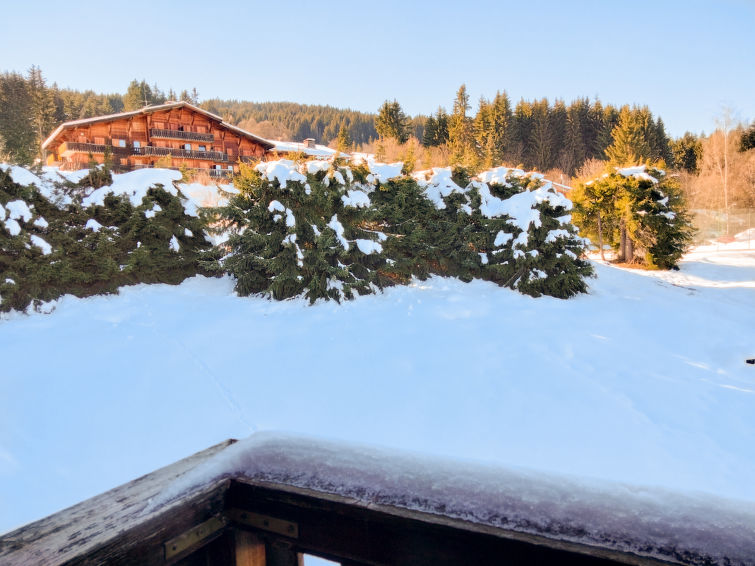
{"x": 196, "y": 537}
{"x": 351, "y": 532}
{"x": 250, "y": 549}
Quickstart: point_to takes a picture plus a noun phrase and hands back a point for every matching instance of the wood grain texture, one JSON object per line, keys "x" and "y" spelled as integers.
{"x": 250, "y": 549}
{"x": 115, "y": 526}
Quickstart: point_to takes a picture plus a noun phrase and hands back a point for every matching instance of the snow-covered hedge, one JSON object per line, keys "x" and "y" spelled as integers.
{"x": 325, "y": 230}
{"x": 316, "y": 229}
{"x": 57, "y": 236}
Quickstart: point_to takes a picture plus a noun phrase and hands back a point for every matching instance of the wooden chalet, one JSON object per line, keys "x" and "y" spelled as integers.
{"x": 270, "y": 518}
{"x": 169, "y": 135}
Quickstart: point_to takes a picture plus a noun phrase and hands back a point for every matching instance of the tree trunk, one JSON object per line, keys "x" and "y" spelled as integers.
{"x": 622, "y": 241}
{"x": 600, "y": 239}
{"x": 629, "y": 249}
{"x": 726, "y": 177}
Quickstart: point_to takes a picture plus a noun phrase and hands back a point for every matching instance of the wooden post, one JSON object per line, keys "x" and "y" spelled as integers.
{"x": 279, "y": 553}
{"x": 250, "y": 550}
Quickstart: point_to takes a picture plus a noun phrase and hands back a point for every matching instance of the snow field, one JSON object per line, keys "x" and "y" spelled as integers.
{"x": 642, "y": 381}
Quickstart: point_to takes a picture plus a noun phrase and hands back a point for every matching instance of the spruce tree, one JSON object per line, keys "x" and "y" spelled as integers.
{"x": 574, "y": 151}
{"x": 391, "y": 122}
{"x": 430, "y": 136}
{"x": 18, "y": 139}
{"x": 460, "y": 130}
{"x": 140, "y": 94}
{"x": 436, "y": 129}
{"x": 483, "y": 132}
{"x": 687, "y": 152}
{"x": 747, "y": 141}
{"x": 631, "y": 145}
{"x": 500, "y": 126}
{"x": 639, "y": 212}
{"x": 343, "y": 141}
{"x": 519, "y": 149}
{"x": 662, "y": 143}
{"x": 541, "y": 136}
{"x": 42, "y": 106}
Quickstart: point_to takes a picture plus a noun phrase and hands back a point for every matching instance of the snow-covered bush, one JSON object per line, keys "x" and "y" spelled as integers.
{"x": 505, "y": 226}
{"x": 297, "y": 233}
{"x": 54, "y": 241}
{"x": 324, "y": 231}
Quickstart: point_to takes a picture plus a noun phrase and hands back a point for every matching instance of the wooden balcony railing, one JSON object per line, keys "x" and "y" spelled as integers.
{"x": 288, "y": 504}
{"x": 94, "y": 148}
{"x": 145, "y": 150}
{"x": 184, "y": 153}
{"x": 181, "y": 135}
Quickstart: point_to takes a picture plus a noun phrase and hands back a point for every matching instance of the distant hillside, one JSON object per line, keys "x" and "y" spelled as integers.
{"x": 292, "y": 121}
{"x": 540, "y": 134}
{"x": 295, "y": 122}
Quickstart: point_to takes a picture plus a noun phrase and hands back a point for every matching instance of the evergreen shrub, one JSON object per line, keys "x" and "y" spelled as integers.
{"x": 94, "y": 249}
{"x": 328, "y": 231}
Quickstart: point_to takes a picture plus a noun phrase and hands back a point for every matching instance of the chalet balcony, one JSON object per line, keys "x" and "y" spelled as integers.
{"x": 182, "y": 153}
{"x": 181, "y": 135}
{"x": 78, "y": 147}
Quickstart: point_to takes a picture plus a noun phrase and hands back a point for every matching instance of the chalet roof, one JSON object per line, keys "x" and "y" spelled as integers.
{"x": 156, "y": 108}
{"x": 321, "y": 151}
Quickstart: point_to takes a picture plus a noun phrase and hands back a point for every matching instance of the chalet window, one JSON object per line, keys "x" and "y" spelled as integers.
{"x": 216, "y": 167}
{"x": 137, "y": 143}
{"x": 202, "y": 148}
{"x": 187, "y": 146}
{"x": 121, "y": 143}
{"x": 99, "y": 140}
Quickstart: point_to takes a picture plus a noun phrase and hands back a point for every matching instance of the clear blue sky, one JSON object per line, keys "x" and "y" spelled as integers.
{"x": 685, "y": 59}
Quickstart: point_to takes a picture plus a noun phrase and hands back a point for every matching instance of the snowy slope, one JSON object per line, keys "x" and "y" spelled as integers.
{"x": 642, "y": 381}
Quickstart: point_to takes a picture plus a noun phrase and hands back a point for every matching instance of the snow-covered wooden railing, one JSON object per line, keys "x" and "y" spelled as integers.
{"x": 270, "y": 499}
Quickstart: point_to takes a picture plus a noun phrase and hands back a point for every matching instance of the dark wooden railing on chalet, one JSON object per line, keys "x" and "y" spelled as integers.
{"x": 96, "y": 148}
{"x": 146, "y": 150}
{"x": 175, "y": 152}
{"x": 243, "y": 522}
{"x": 180, "y": 135}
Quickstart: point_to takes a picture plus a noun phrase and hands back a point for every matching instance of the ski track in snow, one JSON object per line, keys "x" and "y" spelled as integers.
{"x": 224, "y": 391}
{"x": 642, "y": 381}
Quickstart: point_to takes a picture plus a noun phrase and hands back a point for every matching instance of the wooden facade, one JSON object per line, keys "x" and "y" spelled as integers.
{"x": 172, "y": 135}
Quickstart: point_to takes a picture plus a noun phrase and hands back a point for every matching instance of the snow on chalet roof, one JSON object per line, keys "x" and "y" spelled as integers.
{"x": 321, "y": 151}
{"x": 156, "y": 108}
{"x": 649, "y": 522}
